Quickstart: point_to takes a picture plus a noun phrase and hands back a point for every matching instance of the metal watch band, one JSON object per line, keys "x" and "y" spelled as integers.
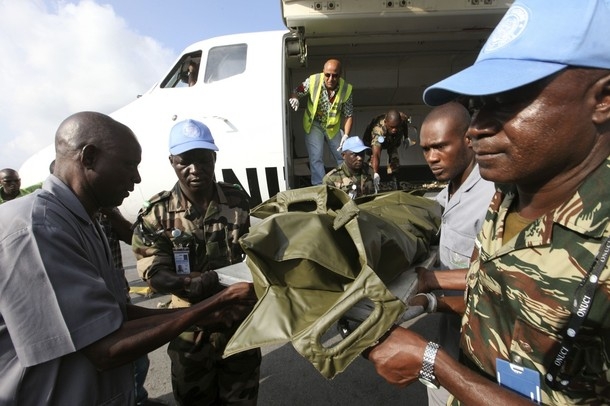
{"x": 426, "y": 374}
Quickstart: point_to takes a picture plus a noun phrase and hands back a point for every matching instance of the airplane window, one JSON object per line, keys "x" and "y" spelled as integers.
{"x": 185, "y": 72}
{"x": 226, "y": 61}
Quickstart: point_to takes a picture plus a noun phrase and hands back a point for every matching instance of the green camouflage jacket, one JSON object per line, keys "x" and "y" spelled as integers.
{"x": 342, "y": 178}
{"x": 520, "y": 292}
{"x": 169, "y": 220}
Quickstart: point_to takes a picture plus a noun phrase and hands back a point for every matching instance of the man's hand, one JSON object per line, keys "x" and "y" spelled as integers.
{"x": 294, "y": 103}
{"x": 239, "y": 292}
{"x": 398, "y": 358}
{"x": 419, "y": 304}
{"x": 233, "y": 304}
{"x": 203, "y": 286}
{"x": 343, "y": 138}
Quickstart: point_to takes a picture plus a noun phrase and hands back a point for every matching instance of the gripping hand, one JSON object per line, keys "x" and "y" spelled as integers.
{"x": 376, "y": 180}
{"x": 294, "y": 103}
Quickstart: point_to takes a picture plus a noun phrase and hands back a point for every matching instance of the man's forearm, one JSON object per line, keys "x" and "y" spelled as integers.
{"x": 143, "y": 335}
{"x": 375, "y": 159}
{"x": 398, "y": 359}
{"x": 454, "y": 279}
{"x": 347, "y": 128}
{"x": 140, "y": 336}
{"x": 451, "y": 304}
{"x": 471, "y": 388}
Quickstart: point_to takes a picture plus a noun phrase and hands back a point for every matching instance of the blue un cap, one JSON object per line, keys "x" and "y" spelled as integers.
{"x": 534, "y": 39}
{"x": 190, "y": 134}
{"x": 353, "y": 144}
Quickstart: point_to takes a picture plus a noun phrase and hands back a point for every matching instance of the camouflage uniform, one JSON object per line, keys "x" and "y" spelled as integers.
{"x": 342, "y": 178}
{"x": 520, "y": 292}
{"x": 389, "y": 142}
{"x": 199, "y": 374}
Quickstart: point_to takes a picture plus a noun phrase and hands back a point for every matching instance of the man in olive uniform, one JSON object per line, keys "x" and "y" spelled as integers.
{"x": 180, "y": 237}
{"x": 387, "y": 132}
{"x": 354, "y": 175}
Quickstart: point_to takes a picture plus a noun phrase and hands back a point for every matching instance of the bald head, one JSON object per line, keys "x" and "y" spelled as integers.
{"x": 88, "y": 128}
{"x": 8, "y": 172}
{"x": 332, "y": 73}
{"x": 451, "y": 112}
{"x": 333, "y": 65}
{"x": 97, "y": 157}
{"x": 392, "y": 116}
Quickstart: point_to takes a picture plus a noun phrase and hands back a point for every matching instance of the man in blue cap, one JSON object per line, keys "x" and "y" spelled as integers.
{"x": 536, "y": 315}
{"x": 180, "y": 237}
{"x": 353, "y": 176}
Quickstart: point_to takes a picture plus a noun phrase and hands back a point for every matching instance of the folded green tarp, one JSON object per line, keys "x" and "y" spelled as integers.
{"x": 317, "y": 253}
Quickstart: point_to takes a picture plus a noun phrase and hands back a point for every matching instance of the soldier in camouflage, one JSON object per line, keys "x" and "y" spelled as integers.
{"x": 353, "y": 176}
{"x": 180, "y": 237}
{"x": 388, "y": 132}
{"x": 538, "y": 287}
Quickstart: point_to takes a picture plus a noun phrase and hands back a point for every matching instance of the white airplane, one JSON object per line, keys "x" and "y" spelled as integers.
{"x": 390, "y": 51}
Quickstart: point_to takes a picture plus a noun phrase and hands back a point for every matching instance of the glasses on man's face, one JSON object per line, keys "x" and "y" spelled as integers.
{"x": 332, "y": 75}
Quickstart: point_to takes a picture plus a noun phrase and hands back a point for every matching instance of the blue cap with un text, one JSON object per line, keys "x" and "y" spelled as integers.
{"x": 190, "y": 134}
{"x": 534, "y": 39}
{"x": 353, "y": 144}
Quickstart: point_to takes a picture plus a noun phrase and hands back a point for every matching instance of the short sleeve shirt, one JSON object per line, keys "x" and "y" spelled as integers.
{"x": 59, "y": 293}
{"x": 462, "y": 219}
{"x": 381, "y": 138}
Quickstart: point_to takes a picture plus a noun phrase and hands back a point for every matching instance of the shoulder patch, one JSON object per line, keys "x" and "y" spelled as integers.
{"x": 148, "y": 204}
{"x": 226, "y": 185}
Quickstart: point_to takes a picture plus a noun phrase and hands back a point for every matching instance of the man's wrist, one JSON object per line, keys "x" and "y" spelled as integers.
{"x": 432, "y": 302}
{"x": 426, "y": 374}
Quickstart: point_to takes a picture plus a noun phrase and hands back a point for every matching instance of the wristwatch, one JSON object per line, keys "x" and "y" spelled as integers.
{"x": 426, "y": 374}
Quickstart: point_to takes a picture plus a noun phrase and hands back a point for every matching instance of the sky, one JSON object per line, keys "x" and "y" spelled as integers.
{"x": 64, "y": 56}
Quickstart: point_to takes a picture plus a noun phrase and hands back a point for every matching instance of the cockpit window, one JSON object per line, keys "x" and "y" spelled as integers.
{"x": 226, "y": 61}
{"x": 185, "y": 72}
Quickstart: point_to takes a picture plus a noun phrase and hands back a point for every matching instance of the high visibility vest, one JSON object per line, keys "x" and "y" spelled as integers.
{"x": 333, "y": 119}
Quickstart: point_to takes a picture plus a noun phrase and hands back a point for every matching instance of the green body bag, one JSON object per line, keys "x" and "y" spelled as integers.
{"x": 316, "y": 254}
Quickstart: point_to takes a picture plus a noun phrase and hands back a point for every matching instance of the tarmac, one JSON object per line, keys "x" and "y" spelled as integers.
{"x": 286, "y": 377}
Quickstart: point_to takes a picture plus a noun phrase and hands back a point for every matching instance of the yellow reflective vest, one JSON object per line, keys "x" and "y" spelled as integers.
{"x": 333, "y": 118}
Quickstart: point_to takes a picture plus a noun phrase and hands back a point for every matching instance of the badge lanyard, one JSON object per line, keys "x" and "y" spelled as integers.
{"x": 555, "y": 377}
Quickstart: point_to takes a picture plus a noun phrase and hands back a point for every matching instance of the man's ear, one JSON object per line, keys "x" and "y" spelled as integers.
{"x": 88, "y": 156}
{"x": 601, "y": 113}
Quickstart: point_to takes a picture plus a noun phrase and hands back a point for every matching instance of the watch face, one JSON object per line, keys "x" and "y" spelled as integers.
{"x": 428, "y": 383}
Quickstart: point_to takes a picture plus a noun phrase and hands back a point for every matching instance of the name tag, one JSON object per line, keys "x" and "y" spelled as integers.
{"x": 522, "y": 380}
{"x": 181, "y": 258}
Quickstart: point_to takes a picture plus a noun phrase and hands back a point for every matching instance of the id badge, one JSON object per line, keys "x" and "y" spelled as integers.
{"x": 181, "y": 258}
{"x": 522, "y": 380}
